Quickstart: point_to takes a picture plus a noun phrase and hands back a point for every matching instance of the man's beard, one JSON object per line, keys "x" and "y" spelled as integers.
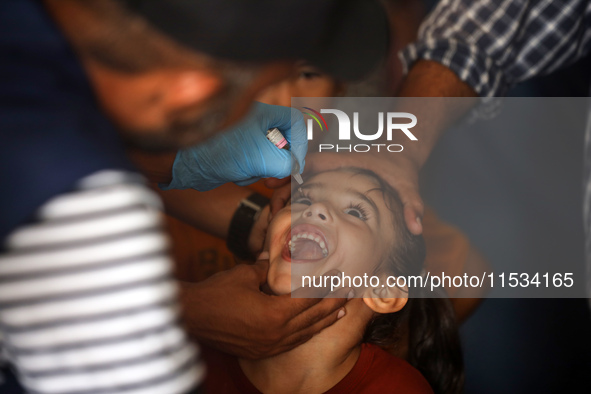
{"x": 183, "y": 134}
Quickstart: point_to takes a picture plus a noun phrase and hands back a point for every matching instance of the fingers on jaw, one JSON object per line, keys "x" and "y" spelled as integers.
{"x": 276, "y": 206}
{"x": 275, "y": 183}
{"x": 327, "y": 308}
{"x": 317, "y": 326}
{"x": 413, "y": 218}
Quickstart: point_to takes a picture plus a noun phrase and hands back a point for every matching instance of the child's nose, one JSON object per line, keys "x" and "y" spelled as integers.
{"x": 319, "y": 211}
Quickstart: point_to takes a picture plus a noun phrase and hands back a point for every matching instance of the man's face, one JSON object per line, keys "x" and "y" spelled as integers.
{"x": 171, "y": 108}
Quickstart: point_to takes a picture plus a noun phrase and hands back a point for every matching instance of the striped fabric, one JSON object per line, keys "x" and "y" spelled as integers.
{"x": 87, "y": 302}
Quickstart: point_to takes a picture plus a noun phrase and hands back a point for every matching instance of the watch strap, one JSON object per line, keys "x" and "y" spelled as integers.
{"x": 242, "y": 223}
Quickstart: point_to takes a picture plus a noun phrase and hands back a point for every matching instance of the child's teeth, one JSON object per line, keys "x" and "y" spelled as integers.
{"x": 311, "y": 237}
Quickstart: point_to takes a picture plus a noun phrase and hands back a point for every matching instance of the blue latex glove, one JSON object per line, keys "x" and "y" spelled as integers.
{"x": 243, "y": 154}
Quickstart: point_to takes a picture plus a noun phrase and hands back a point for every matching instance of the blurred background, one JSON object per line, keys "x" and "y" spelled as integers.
{"x": 517, "y": 193}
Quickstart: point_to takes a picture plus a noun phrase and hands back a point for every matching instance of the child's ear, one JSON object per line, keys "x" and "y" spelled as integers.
{"x": 386, "y": 299}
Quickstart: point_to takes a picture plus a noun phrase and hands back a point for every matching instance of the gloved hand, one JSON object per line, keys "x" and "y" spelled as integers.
{"x": 243, "y": 154}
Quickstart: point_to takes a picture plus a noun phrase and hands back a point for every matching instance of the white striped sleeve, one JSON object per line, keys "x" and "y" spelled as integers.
{"x": 87, "y": 301}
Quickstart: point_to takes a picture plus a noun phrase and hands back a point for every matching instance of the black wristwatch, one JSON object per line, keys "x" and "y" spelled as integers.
{"x": 241, "y": 225}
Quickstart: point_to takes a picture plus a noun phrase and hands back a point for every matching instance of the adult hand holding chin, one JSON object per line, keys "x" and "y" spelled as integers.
{"x": 259, "y": 231}
{"x": 230, "y": 313}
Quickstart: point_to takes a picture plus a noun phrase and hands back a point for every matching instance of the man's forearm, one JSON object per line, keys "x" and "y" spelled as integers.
{"x": 209, "y": 211}
{"x": 431, "y": 79}
{"x": 157, "y": 167}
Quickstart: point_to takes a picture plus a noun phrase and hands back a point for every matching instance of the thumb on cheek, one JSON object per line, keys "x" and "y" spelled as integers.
{"x": 264, "y": 255}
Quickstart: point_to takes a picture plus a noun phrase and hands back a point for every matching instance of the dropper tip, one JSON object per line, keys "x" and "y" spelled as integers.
{"x": 298, "y": 178}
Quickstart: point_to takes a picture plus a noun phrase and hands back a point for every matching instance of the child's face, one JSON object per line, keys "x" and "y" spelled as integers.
{"x": 339, "y": 221}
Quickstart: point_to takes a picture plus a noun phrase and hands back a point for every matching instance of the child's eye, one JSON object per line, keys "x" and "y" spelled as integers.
{"x": 302, "y": 200}
{"x": 357, "y": 211}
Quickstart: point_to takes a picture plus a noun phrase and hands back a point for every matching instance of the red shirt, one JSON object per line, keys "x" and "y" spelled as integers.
{"x": 376, "y": 371}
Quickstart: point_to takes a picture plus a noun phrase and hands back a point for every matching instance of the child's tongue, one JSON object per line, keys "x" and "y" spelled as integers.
{"x": 306, "y": 249}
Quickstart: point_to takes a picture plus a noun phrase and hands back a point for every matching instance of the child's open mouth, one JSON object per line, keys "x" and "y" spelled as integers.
{"x": 306, "y": 243}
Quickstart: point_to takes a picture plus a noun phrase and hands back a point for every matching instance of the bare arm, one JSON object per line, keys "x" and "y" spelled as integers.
{"x": 474, "y": 48}
{"x": 209, "y": 211}
{"x": 426, "y": 93}
{"x": 430, "y": 79}
{"x": 425, "y": 79}
{"x": 466, "y": 300}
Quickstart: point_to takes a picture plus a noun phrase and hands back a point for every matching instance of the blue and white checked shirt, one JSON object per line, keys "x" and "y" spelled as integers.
{"x": 494, "y": 44}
